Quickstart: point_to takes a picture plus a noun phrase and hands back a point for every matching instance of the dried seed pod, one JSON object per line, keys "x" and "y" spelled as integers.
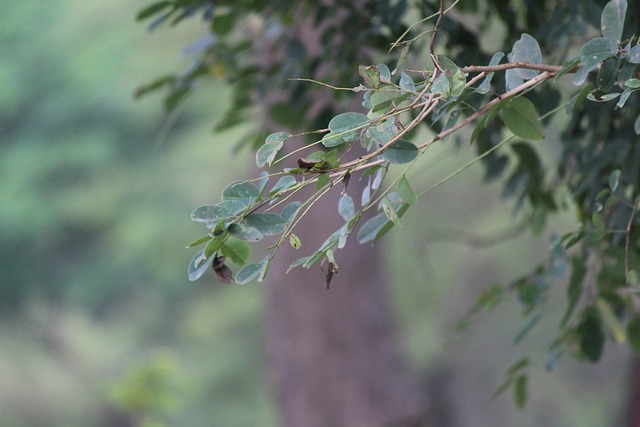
{"x": 222, "y": 272}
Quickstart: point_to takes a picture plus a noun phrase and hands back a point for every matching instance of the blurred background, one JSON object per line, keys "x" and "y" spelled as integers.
{"x": 99, "y": 324}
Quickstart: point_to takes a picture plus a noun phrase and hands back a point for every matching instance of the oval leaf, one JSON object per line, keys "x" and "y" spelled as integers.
{"x": 526, "y": 50}
{"x": 198, "y": 265}
{"x": 345, "y": 127}
{"x": 290, "y": 210}
{"x": 241, "y": 190}
{"x": 521, "y": 118}
{"x": 243, "y": 232}
{"x": 267, "y": 153}
{"x": 210, "y": 213}
{"x": 267, "y": 223}
{"x": 400, "y": 152}
{"x": 294, "y": 241}
{"x": 346, "y": 208}
{"x": 248, "y": 273}
{"x": 236, "y": 250}
{"x": 612, "y": 20}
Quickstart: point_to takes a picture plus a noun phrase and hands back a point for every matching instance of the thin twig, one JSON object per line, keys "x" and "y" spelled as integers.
{"x": 628, "y": 238}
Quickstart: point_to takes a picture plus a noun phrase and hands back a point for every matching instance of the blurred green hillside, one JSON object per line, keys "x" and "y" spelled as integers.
{"x": 95, "y": 196}
{"x": 100, "y": 326}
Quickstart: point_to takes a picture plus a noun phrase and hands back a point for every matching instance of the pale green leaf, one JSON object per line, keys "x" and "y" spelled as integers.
{"x": 267, "y": 153}
{"x": 248, "y": 273}
{"x": 243, "y": 232}
{"x": 389, "y": 211}
{"x": 633, "y": 55}
{"x": 277, "y": 137}
{"x": 614, "y": 180}
{"x": 486, "y": 83}
{"x": 345, "y": 127}
{"x": 612, "y": 19}
{"x": 526, "y": 50}
{"x": 243, "y": 191}
{"x": 198, "y": 265}
{"x": 290, "y": 210}
{"x": 267, "y": 223}
{"x": 405, "y": 191}
{"x": 346, "y": 207}
{"x": 210, "y": 213}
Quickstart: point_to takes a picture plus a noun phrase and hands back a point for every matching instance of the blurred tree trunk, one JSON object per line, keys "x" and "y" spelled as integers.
{"x": 334, "y": 354}
{"x": 633, "y": 402}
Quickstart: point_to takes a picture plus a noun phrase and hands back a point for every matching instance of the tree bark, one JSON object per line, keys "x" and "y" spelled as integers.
{"x": 334, "y": 354}
{"x": 633, "y": 402}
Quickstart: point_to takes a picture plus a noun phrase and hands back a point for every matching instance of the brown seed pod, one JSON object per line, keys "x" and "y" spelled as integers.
{"x": 222, "y": 272}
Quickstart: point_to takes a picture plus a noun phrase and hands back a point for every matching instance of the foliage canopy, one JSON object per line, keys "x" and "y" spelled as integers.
{"x": 579, "y": 58}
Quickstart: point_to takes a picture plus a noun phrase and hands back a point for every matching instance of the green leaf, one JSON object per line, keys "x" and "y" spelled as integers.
{"x": 381, "y": 99}
{"x": 633, "y": 55}
{"x": 568, "y": 66}
{"x": 267, "y": 153}
{"x": 592, "y": 54}
{"x": 389, "y": 211}
{"x": 201, "y": 240}
{"x": 346, "y": 207}
{"x": 607, "y": 74}
{"x": 370, "y": 74}
{"x": 533, "y": 321}
{"x": 612, "y": 20}
{"x": 579, "y": 98}
{"x": 611, "y": 321}
{"x": 632, "y": 83}
{"x": 486, "y": 83}
{"x": 574, "y": 289}
{"x": 214, "y": 244}
{"x": 222, "y": 25}
{"x": 210, "y": 213}
{"x": 377, "y": 226}
{"x": 198, "y": 265}
{"x": 294, "y": 241}
{"x": 633, "y": 332}
{"x": 153, "y": 9}
{"x": 298, "y": 263}
{"x": 521, "y": 118}
{"x": 243, "y": 232}
{"x": 245, "y": 192}
{"x": 248, "y": 273}
{"x": 520, "y": 391}
{"x": 277, "y": 137}
{"x": 405, "y": 191}
{"x": 526, "y": 50}
{"x": 614, "y": 180}
{"x": 290, "y": 210}
{"x": 604, "y": 98}
{"x": 591, "y": 336}
{"x": 406, "y": 82}
{"x": 283, "y": 183}
{"x": 322, "y": 181}
{"x": 236, "y": 250}
{"x": 234, "y": 205}
{"x": 345, "y": 127}
{"x": 400, "y": 152}
{"x": 267, "y": 223}
{"x": 456, "y": 78}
